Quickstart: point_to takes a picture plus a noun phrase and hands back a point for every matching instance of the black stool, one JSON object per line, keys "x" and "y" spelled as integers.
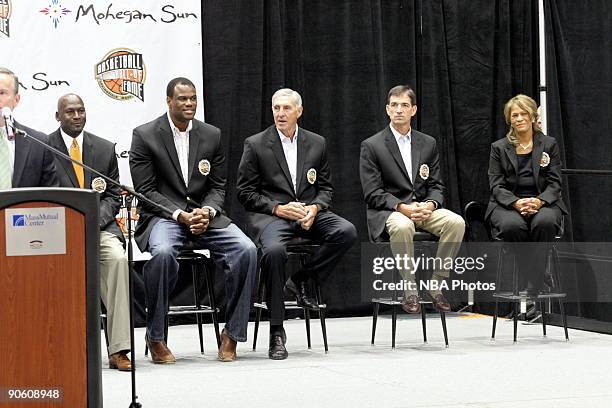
{"x": 199, "y": 262}
{"x": 515, "y": 297}
{"x": 302, "y": 248}
{"x": 419, "y": 236}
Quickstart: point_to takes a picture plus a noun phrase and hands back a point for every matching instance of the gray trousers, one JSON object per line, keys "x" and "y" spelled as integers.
{"x": 114, "y": 289}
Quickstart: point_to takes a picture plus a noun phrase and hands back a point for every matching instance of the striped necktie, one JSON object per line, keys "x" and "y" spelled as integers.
{"x": 5, "y": 162}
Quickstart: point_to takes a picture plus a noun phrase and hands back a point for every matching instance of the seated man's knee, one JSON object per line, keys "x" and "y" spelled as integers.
{"x": 163, "y": 250}
{"x": 512, "y": 228}
{"x": 348, "y": 233}
{"x": 402, "y": 227}
{"x": 273, "y": 250}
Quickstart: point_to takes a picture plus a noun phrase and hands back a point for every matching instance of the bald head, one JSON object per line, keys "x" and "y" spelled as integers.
{"x": 71, "y": 114}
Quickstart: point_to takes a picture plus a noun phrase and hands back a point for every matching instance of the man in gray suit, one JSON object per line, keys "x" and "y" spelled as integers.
{"x": 99, "y": 154}
{"x": 400, "y": 176}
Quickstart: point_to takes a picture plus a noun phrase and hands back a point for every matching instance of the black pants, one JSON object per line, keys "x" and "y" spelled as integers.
{"x": 511, "y": 226}
{"x": 336, "y": 236}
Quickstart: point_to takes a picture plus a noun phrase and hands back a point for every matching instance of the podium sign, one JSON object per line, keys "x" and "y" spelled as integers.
{"x": 35, "y": 231}
{"x": 49, "y": 299}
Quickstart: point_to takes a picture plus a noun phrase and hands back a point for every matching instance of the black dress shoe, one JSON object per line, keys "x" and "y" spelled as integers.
{"x": 302, "y": 297}
{"x": 277, "y": 350}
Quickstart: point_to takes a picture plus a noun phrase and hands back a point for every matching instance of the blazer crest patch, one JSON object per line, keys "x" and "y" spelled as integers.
{"x": 545, "y": 160}
{"x": 311, "y": 176}
{"x": 204, "y": 167}
{"x": 98, "y": 184}
{"x": 424, "y": 171}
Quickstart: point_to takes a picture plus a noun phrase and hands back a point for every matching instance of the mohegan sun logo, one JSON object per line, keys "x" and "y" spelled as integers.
{"x": 121, "y": 74}
{"x": 5, "y": 17}
{"x": 55, "y": 11}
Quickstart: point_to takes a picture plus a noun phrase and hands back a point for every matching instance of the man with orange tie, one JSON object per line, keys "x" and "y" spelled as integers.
{"x": 23, "y": 163}
{"x": 99, "y": 154}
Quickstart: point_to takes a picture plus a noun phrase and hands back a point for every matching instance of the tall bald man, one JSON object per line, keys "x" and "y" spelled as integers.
{"x": 23, "y": 163}
{"x": 99, "y": 154}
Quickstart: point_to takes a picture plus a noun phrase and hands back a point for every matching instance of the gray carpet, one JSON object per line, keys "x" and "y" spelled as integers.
{"x": 474, "y": 372}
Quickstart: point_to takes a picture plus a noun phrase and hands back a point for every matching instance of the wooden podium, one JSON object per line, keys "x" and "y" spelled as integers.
{"x": 49, "y": 303}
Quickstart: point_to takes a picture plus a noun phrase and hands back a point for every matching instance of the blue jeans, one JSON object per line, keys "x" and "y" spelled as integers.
{"x": 228, "y": 246}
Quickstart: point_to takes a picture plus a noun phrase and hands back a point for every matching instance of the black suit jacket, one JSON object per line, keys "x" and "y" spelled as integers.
{"x": 264, "y": 180}
{"x": 99, "y": 154}
{"x": 34, "y": 166}
{"x": 385, "y": 181}
{"x": 156, "y": 173}
{"x": 503, "y": 168}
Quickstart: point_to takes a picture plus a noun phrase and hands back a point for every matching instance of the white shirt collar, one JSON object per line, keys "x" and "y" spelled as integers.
{"x": 176, "y": 130}
{"x": 68, "y": 140}
{"x": 283, "y": 137}
{"x": 398, "y": 135}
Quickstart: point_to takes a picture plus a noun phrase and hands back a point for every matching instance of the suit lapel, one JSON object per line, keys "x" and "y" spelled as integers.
{"x": 395, "y": 153}
{"x": 536, "y": 156}
{"x": 303, "y": 149}
{"x": 511, "y": 153}
{"x": 415, "y": 154}
{"x": 58, "y": 142}
{"x": 194, "y": 143}
{"x": 22, "y": 151}
{"x": 165, "y": 134}
{"x": 88, "y": 158}
{"x": 275, "y": 144}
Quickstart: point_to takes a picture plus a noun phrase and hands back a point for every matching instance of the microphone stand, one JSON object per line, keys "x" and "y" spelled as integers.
{"x": 131, "y": 193}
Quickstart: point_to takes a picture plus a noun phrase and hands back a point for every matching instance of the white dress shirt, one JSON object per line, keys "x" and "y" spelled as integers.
{"x": 68, "y": 141}
{"x": 11, "y": 145}
{"x": 290, "y": 149}
{"x": 181, "y": 142}
{"x": 404, "y": 142}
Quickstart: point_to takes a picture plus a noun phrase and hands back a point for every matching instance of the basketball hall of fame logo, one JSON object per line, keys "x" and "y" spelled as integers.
{"x": 121, "y": 74}
{"x": 5, "y": 17}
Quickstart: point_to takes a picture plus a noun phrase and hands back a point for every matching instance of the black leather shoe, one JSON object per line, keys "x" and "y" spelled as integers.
{"x": 302, "y": 297}
{"x": 277, "y": 350}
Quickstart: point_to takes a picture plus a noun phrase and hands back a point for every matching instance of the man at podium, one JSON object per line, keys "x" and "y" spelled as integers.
{"x": 99, "y": 154}
{"x": 23, "y": 163}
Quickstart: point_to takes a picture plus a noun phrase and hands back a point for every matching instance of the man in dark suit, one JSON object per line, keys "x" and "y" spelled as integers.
{"x": 23, "y": 163}
{"x": 402, "y": 186}
{"x": 99, "y": 154}
{"x": 178, "y": 162}
{"x": 284, "y": 182}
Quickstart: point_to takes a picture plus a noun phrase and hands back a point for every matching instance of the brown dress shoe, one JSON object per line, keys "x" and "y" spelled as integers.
{"x": 120, "y": 361}
{"x": 412, "y": 304}
{"x": 160, "y": 353}
{"x": 227, "y": 350}
{"x": 440, "y": 303}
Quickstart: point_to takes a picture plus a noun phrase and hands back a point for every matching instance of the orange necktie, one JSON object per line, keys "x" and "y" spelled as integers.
{"x": 75, "y": 153}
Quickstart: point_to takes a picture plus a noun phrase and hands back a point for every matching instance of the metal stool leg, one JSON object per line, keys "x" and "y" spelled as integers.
{"x": 322, "y": 316}
{"x": 307, "y": 320}
{"x": 564, "y": 317}
{"x": 257, "y": 319}
{"x": 495, "y": 319}
{"x": 424, "y": 323}
{"x": 543, "y": 311}
{"x": 195, "y": 275}
{"x": 209, "y": 273}
{"x": 443, "y": 318}
{"x": 393, "y": 324}
{"x": 259, "y": 299}
{"x": 516, "y": 313}
{"x": 374, "y": 319}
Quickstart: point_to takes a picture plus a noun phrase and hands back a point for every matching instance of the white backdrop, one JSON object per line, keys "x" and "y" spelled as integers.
{"x": 54, "y": 47}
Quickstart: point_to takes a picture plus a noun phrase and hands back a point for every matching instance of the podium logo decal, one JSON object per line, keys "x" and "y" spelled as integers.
{"x": 121, "y": 74}
{"x": 55, "y": 11}
{"x": 5, "y": 17}
{"x": 18, "y": 220}
{"x": 36, "y": 244}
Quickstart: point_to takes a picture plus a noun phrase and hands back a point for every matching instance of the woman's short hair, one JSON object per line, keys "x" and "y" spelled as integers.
{"x": 527, "y": 104}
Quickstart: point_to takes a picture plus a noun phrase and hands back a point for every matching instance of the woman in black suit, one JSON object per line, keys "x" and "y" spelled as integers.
{"x": 525, "y": 180}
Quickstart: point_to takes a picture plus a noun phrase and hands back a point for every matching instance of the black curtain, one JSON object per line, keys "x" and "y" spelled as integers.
{"x": 464, "y": 58}
{"x": 579, "y": 74}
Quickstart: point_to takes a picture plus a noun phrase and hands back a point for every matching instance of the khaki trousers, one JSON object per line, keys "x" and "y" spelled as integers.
{"x": 114, "y": 289}
{"x": 443, "y": 223}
